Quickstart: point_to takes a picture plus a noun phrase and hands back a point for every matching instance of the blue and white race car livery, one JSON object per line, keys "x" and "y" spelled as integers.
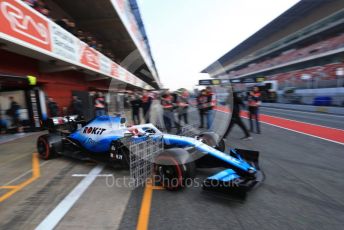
{"x": 104, "y": 138}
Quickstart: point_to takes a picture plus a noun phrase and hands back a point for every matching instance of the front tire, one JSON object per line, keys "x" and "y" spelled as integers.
{"x": 221, "y": 146}
{"x": 213, "y": 140}
{"x": 173, "y": 173}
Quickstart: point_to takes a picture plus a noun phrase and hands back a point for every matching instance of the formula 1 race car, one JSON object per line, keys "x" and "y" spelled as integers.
{"x": 104, "y": 138}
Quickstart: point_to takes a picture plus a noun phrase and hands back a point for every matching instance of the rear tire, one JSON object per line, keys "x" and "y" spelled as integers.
{"x": 44, "y": 149}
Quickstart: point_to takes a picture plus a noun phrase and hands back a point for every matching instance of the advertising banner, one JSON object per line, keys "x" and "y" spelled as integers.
{"x": 105, "y": 64}
{"x": 89, "y": 57}
{"x": 114, "y": 70}
{"x": 214, "y": 82}
{"x": 121, "y": 73}
{"x": 21, "y": 22}
{"x": 64, "y": 44}
{"x": 23, "y": 25}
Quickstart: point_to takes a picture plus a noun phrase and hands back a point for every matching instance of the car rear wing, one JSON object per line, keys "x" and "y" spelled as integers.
{"x": 63, "y": 120}
{"x": 67, "y": 123}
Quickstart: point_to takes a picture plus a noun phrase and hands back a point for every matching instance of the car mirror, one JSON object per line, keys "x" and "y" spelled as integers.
{"x": 128, "y": 134}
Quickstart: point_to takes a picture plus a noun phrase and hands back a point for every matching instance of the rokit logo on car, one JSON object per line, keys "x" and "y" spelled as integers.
{"x": 93, "y": 130}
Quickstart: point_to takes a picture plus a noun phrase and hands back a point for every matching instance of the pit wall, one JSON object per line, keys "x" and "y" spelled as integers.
{"x": 307, "y": 108}
{"x": 308, "y": 95}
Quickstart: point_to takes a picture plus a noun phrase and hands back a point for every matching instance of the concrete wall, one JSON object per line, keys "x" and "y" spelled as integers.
{"x": 308, "y": 95}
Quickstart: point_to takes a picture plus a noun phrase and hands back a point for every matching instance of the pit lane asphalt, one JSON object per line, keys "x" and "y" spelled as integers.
{"x": 302, "y": 190}
{"x": 100, "y": 207}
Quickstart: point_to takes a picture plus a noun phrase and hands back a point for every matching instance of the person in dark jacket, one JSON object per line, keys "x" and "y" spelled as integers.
{"x": 236, "y": 119}
{"x": 202, "y": 104}
{"x": 210, "y": 106}
{"x": 135, "y": 103}
{"x": 254, "y": 101}
{"x": 146, "y": 101}
{"x": 53, "y": 108}
{"x": 77, "y": 107}
{"x": 167, "y": 103}
{"x": 3, "y": 125}
{"x": 99, "y": 104}
{"x": 13, "y": 112}
{"x": 182, "y": 109}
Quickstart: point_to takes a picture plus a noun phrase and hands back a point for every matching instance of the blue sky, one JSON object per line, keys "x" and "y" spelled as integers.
{"x": 188, "y": 35}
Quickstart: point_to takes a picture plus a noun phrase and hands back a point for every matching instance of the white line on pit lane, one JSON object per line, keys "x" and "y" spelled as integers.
{"x": 52, "y": 220}
{"x": 328, "y": 127}
{"x": 84, "y": 175}
{"x": 322, "y": 138}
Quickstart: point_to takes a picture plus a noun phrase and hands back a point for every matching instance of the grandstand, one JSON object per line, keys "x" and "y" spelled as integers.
{"x": 302, "y": 49}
